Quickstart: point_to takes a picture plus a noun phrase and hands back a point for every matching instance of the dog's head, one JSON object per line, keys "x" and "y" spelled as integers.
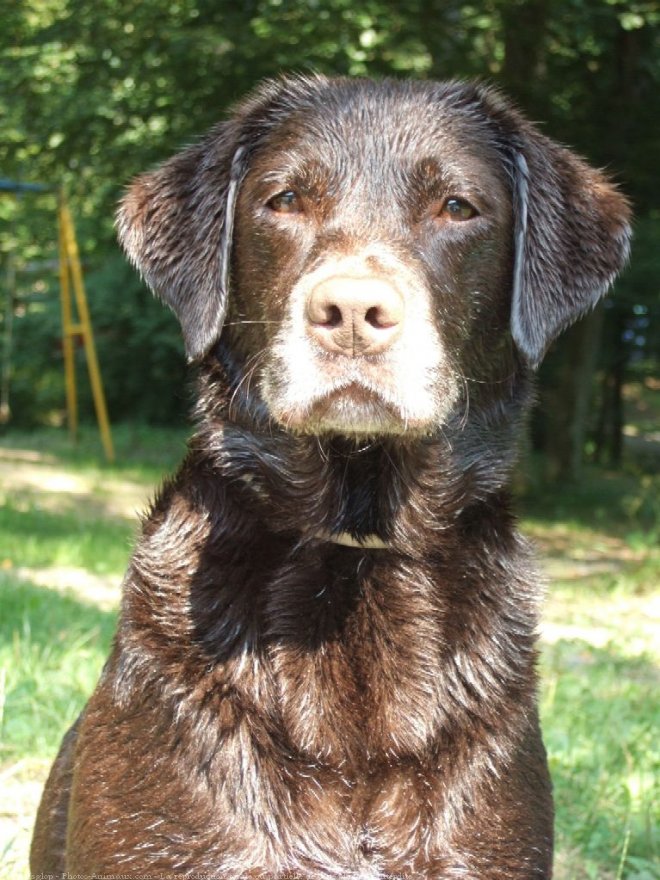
{"x": 371, "y": 248}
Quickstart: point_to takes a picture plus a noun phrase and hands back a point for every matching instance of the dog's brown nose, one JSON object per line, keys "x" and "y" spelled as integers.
{"x": 355, "y": 316}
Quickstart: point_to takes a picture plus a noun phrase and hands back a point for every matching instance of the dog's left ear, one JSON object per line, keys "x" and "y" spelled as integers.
{"x": 175, "y": 224}
{"x": 571, "y": 235}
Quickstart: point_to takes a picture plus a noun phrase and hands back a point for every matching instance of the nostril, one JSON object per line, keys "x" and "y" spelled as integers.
{"x": 323, "y": 312}
{"x": 334, "y": 317}
{"x": 379, "y": 319}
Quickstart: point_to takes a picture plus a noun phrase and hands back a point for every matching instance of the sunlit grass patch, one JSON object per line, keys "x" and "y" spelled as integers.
{"x": 600, "y": 722}
{"x": 600, "y": 716}
{"x": 36, "y": 537}
{"x": 52, "y": 647}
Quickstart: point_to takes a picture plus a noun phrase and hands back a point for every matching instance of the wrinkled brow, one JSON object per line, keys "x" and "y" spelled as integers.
{"x": 430, "y": 178}
{"x": 305, "y": 174}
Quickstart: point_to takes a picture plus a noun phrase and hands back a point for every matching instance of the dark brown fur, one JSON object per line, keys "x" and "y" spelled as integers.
{"x": 277, "y": 704}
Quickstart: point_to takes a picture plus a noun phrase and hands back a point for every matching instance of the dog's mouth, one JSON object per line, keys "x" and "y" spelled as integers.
{"x": 407, "y": 390}
{"x": 353, "y": 399}
{"x": 351, "y": 409}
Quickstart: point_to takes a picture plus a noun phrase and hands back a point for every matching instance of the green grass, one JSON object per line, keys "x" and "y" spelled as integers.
{"x": 35, "y": 537}
{"x": 52, "y": 648}
{"x": 600, "y": 727}
{"x": 71, "y": 521}
{"x": 53, "y": 643}
{"x": 143, "y": 452}
{"x": 622, "y": 504}
{"x": 66, "y": 518}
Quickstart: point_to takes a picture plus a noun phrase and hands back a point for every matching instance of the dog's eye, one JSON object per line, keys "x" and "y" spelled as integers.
{"x": 458, "y": 209}
{"x": 286, "y": 202}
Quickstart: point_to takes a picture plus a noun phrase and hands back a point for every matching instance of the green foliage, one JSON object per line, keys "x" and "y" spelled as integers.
{"x": 137, "y": 342}
{"x": 619, "y": 502}
{"x": 639, "y": 297}
{"x": 106, "y": 88}
{"x": 139, "y": 347}
{"x": 93, "y": 92}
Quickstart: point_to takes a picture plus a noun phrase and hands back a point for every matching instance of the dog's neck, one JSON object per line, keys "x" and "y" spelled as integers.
{"x": 403, "y": 493}
{"x": 342, "y": 539}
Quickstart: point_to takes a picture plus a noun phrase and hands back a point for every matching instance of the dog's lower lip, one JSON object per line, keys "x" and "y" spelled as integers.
{"x": 355, "y": 395}
{"x": 351, "y": 406}
{"x": 354, "y": 407}
{"x": 355, "y": 392}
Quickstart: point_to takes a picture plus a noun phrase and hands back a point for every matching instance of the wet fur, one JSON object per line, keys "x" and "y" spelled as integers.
{"x": 279, "y": 705}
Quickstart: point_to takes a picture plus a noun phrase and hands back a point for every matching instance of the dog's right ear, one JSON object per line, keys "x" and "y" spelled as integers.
{"x": 571, "y": 230}
{"x": 175, "y": 224}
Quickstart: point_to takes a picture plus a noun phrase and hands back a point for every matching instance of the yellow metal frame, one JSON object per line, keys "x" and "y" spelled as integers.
{"x": 71, "y": 279}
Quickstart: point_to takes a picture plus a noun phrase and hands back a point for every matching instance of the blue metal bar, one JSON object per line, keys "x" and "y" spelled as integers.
{"x": 15, "y": 186}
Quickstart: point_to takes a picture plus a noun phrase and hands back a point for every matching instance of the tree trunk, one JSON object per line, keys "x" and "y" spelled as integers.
{"x": 609, "y": 430}
{"x": 524, "y": 30}
{"x": 584, "y": 382}
{"x": 566, "y": 393}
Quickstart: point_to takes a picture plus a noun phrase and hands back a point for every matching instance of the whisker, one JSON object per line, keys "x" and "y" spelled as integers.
{"x": 489, "y": 381}
{"x": 241, "y": 322}
{"x": 322, "y": 452}
{"x": 396, "y": 469}
{"x": 243, "y": 385}
{"x": 466, "y": 412}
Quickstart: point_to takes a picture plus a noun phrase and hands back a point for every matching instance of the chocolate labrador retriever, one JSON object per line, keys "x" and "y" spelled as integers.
{"x": 325, "y": 660}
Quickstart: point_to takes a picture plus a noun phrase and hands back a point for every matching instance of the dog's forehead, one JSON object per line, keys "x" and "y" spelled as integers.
{"x": 368, "y": 127}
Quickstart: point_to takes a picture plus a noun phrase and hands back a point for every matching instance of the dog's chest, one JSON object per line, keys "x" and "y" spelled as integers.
{"x": 374, "y": 826}
{"x": 314, "y": 820}
{"x": 355, "y": 657}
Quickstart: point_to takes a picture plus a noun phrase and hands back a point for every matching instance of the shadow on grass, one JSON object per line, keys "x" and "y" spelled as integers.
{"x": 142, "y": 447}
{"x": 616, "y": 503}
{"x": 52, "y": 648}
{"x": 599, "y": 717}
